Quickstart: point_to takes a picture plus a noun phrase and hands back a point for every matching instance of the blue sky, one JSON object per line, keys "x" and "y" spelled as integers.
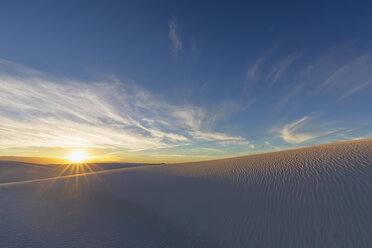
{"x": 166, "y": 81}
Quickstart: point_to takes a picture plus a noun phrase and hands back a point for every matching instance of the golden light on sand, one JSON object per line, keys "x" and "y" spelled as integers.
{"x": 77, "y": 156}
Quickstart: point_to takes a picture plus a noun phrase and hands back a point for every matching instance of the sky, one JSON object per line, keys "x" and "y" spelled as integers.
{"x": 167, "y": 81}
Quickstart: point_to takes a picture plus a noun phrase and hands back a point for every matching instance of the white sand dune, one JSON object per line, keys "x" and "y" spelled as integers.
{"x": 312, "y": 197}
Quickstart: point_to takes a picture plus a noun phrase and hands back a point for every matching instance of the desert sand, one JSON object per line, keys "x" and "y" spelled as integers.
{"x": 319, "y": 196}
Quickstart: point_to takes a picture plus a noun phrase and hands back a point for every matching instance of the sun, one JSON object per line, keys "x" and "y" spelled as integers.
{"x": 77, "y": 156}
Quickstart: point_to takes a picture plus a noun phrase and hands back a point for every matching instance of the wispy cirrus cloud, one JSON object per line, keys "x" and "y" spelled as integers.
{"x": 281, "y": 66}
{"x": 336, "y": 72}
{"x": 266, "y": 71}
{"x": 344, "y": 77}
{"x": 176, "y": 46}
{"x": 343, "y": 71}
{"x": 39, "y": 110}
{"x": 316, "y": 85}
{"x": 286, "y": 98}
{"x": 357, "y": 88}
{"x": 292, "y": 133}
{"x": 254, "y": 71}
{"x": 211, "y": 136}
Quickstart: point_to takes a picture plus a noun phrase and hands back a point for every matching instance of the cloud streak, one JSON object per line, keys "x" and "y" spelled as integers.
{"x": 344, "y": 79}
{"x": 278, "y": 70}
{"x": 38, "y": 110}
{"x": 357, "y": 88}
{"x": 254, "y": 71}
{"x": 290, "y": 133}
{"x": 176, "y": 47}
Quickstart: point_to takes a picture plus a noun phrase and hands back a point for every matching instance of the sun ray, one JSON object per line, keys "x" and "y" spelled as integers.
{"x": 74, "y": 170}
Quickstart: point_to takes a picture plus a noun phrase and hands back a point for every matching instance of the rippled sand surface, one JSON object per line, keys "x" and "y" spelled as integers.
{"x": 319, "y": 196}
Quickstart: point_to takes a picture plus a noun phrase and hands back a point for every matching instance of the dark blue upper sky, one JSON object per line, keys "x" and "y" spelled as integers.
{"x": 242, "y": 77}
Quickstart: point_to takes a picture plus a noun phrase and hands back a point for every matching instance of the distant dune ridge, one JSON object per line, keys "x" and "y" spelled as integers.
{"x": 18, "y": 172}
{"x": 319, "y": 196}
